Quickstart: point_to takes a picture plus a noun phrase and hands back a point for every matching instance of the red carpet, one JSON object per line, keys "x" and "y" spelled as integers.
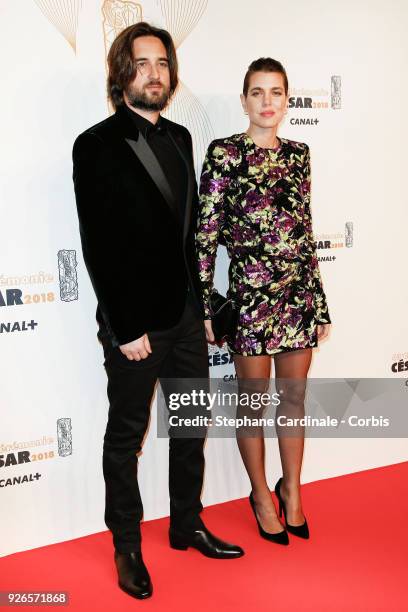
{"x": 355, "y": 560}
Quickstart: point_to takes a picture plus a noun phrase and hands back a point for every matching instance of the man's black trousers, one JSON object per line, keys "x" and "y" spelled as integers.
{"x": 179, "y": 352}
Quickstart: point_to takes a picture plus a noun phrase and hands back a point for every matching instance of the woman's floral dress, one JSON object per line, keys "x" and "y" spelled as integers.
{"x": 256, "y": 202}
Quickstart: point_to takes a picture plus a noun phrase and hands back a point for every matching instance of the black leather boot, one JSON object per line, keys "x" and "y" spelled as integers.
{"x": 204, "y": 541}
{"x": 133, "y": 576}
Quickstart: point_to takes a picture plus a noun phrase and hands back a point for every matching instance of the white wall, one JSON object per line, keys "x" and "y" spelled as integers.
{"x": 51, "y": 92}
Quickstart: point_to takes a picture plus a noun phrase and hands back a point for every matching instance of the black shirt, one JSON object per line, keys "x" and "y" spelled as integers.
{"x": 167, "y": 155}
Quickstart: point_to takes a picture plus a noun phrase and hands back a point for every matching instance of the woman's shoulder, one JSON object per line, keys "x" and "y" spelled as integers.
{"x": 294, "y": 146}
{"x": 227, "y": 144}
{"x": 236, "y": 143}
{"x": 225, "y": 152}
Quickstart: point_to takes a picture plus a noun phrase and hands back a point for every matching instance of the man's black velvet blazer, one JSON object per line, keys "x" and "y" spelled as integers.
{"x": 139, "y": 256}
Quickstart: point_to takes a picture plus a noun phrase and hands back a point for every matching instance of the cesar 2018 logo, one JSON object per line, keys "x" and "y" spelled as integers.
{"x": 220, "y": 356}
{"x": 306, "y": 99}
{"x": 64, "y": 439}
{"x": 68, "y": 290}
{"x": 335, "y": 241}
{"x": 400, "y": 363}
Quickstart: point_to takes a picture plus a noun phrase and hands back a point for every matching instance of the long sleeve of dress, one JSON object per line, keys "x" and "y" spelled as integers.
{"x": 213, "y": 183}
{"x": 319, "y": 299}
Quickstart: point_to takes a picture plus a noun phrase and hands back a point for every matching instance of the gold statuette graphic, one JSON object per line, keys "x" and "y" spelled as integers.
{"x": 63, "y": 14}
{"x": 118, "y": 15}
{"x": 181, "y": 17}
{"x": 186, "y": 109}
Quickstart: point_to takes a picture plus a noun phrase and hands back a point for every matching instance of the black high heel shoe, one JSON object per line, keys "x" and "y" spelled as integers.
{"x": 279, "y": 538}
{"x": 302, "y": 531}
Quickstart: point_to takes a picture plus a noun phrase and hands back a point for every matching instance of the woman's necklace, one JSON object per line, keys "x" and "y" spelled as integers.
{"x": 274, "y": 145}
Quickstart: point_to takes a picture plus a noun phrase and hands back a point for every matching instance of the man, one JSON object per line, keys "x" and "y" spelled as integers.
{"x": 136, "y": 198}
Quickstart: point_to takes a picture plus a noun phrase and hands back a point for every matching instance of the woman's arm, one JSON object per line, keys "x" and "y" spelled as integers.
{"x": 319, "y": 298}
{"x": 211, "y": 214}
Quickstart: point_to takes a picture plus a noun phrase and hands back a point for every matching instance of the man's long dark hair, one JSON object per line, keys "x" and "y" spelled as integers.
{"x": 122, "y": 68}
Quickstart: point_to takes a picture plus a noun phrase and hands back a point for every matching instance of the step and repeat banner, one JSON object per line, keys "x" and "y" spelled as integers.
{"x": 346, "y": 63}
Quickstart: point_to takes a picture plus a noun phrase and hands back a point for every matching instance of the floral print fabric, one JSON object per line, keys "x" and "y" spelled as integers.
{"x": 256, "y": 202}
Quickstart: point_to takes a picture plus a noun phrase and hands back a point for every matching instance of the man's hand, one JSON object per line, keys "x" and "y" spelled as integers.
{"x": 209, "y": 334}
{"x": 138, "y": 349}
{"x": 323, "y": 331}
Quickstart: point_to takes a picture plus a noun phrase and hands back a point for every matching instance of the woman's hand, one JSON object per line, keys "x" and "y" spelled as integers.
{"x": 209, "y": 334}
{"x": 323, "y": 331}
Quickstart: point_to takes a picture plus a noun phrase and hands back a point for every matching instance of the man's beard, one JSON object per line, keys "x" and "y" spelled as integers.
{"x": 139, "y": 98}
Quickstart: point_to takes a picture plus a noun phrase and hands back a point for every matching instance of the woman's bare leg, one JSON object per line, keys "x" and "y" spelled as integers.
{"x": 253, "y": 449}
{"x": 292, "y": 365}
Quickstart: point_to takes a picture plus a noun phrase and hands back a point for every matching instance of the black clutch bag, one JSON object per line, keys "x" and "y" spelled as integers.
{"x": 224, "y": 316}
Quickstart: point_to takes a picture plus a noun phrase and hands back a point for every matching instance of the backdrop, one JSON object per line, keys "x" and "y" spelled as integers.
{"x": 346, "y": 62}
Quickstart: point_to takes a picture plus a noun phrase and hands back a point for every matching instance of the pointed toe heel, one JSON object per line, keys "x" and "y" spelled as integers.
{"x": 279, "y": 538}
{"x": 301, "y": 531}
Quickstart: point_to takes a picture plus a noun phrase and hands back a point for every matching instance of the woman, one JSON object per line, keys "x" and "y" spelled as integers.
{"x": 255, "y": 199}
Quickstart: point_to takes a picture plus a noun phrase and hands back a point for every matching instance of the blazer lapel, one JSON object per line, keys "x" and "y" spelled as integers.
{"x": 181, "y": 148}
{"x": 153, "y": 168}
